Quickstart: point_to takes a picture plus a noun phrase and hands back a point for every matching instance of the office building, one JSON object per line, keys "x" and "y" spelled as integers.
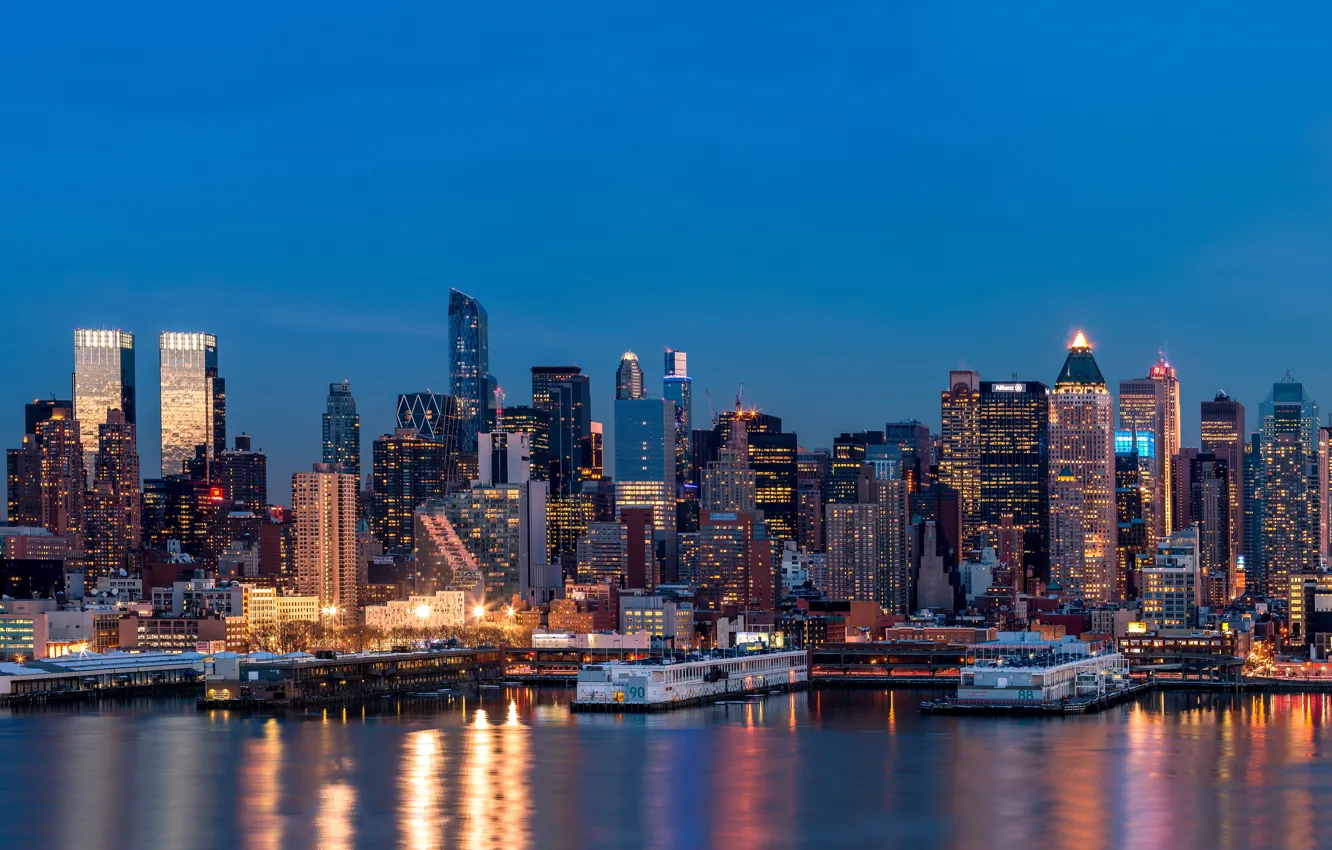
{"x": 629, "y": 378}
{"x": 1181, "y": 486}
{"x": 1135, "y": 494}
{"x": 469, "y": 366}
{"x": 848, "y": 456}
{"x": 112, "y": 509}
{"x": 664, "y": 618}
{"x": 1168, "y": 442}
{"x": 1223, "y": 436}
{"x": 1013, "y": 428}
{"x": 434, "y": 417}
{"x": 324, "y": 501}
{"x": 892, "y": 534}
{"x": 242, "y": 473}
{"x": 534, "y": 422}
{"x": 914, "y": 451}
{"x": 342, "y": 430}
{"x": 567, "y": 519}
{"x": 735, "y": 564}
{"x": 32, "y": 563}
{"x": 1082, "y": 499}
{"x": 193, "y": 399}
{"x": 603, "y": 554}
{"x": 853, "y": 569}
{"x": 566, "y": 397}
{"x": 645, "y": 466}
{"x": 408, "y": 471}
{"x": 591, "y": 454}
{"x": 61, "y": 480}
{"x": 728, "y": 482}
{"x": 677, "y": 388}
{"x": 1142, "y": 405}
{"x": 1170, "y": 583}
{"x": 103, "y": 381}
{"x": 1289, "y": 484}
{"x": 1209, "y": 497}
{"x": 773, "y": 458}
{"x": 959, "y": 446}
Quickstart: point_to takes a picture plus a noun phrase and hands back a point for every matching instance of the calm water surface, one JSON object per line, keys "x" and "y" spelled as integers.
{"x": 515, "y": 769}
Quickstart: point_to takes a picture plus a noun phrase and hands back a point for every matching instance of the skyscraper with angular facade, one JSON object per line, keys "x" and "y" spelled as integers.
{"x": 193, "y": 399}
{"x": 629, "y": 378}
{"x": 1083, "y": 524}
{"x": 1013, "y": 432}
{"x": 469, "y": 366}
{"x": 342, "y": 430}
{"x": 959, "y": 461}
{"x": 103, "y": 380}
{"x": 1289, "y": 484}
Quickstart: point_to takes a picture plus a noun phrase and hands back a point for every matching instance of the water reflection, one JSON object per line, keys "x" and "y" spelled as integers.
{"x": 831, "y": 769}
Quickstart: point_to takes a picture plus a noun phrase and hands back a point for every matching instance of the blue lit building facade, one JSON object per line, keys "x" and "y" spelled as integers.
{"x": 678, "y": 388}
{"x": 469, "y": 366}
{"x": 342, "y": 430}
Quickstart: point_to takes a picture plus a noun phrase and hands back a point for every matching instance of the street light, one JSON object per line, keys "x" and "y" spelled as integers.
{"x": 332, "y": 612}
{"x": 479, "y": 612}
{"x": 423, "y": 612}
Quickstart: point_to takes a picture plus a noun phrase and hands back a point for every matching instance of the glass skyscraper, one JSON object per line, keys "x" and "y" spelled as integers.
{"x": 678, "y": 388}
{"x": 645, "y": 464}
{"x": 469, "y": 365}
{"x": 342, "y": 430}
{"x": 194, "y": 408}
{"x": 103, "y": 380}
{"x": 1013, "y": 442}
{"x": 1289, "y": 485}
{"x": 566, "y": 396}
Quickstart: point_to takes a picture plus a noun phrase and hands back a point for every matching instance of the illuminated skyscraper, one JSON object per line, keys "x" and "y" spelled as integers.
{"x": 194, "y": 399}
{"x": 1135, "y": 491}
{"x": 645, "y": 465}
{"x": 848, "y": 456}
{"x": 103, "y": 380}
{"x": 1013, "y": 429}
{"x": 1167, "y": 440}
{"x": 324, "y": 501}
{"x": 1082, "y": 448}
{"x": 533, "y": 421}
{"x": 242, "y": 474}
{"x": 592, "y": 455}
{"x": 677, "y": 387}
{"x": 342, "y": 430}
{"x": 734, "y": 562}
{"x": 1223, "y": 435}
{"x": 1289, "y": 484}
{"x": 1209, "y": 499}
{"x": 629, "y": 378}
{"x": 409, "y": 471}
{"x": 1142, "y": 407}
{"x": 728, "y": 483}
{"x": 912, "y": 439}
{"x": 117, "y": 483}
{"x": 469, "y": 366}
{"x": 959, "y": 461}
{"x": 566, "y": 396}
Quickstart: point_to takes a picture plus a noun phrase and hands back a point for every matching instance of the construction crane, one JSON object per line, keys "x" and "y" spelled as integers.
{"x": 711, "y": 412}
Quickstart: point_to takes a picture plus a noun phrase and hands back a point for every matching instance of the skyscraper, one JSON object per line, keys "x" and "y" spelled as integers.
{"x": 1289, "y": 484}
{"x": 566, "y": 397}
{"x": 533, "y": 421}
{"x": 1142, "y": 410}
{"x": 1223, "y": 435}
{"x": 194, "y": 407}
{"x": 645, "y": 464}
{"x": 1082, "y": 445}
{"x": 1135, "y": 491}
{"x": 324, "y": 501}
{"x": 117, "y": 475}
{"x": 342, "y": 430}
{"x": 629, "y": 378}
{"x": 852, "y": 539}
{"x": 103, "y": 380}
{"x": 48, "y": 475}
{"x": 773, "y": 457}
{"x": 912, "y": 439}
{"x": 1168, "y": 440}
{"x": 1013, "y": 429}
{"x": 408, "y": 471}
{"x": 959, "y": 461}
{"x": 242, "y": 473}
{"x": 1209, "y": 499}
{"x": 848, "y": 456}
{"x": 469, "y": 366}
{"x": 677, "y": 387}
{"x": 892, "y": 533}
{"x": 728, "y": 483}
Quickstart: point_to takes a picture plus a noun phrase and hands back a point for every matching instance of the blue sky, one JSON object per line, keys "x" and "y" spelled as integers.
{"x": 834, "y": 205}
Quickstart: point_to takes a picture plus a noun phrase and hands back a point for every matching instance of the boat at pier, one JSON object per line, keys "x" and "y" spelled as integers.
{"x": 659, "y": 683}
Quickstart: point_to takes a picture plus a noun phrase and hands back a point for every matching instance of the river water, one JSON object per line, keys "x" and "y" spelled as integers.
{"x": 514, "y": 769}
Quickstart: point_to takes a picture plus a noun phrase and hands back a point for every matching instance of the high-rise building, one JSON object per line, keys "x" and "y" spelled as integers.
{"x": 914, "y": 449}
{"x": 1083, "y": 525}
{"x": 342, "y": 430}
{"x": 878, "y": 486}
{"x": 567, "y": 519}
{"x": 1181, "y": 486}
{"x": 1170, "y": 583}
{"x": 728, "y": 483}
{"x": 46, "y": 476}
{"x": 442, "y": 559}
{"x": 1013, "y": 428}
{"x": 591, "y": 451}
{"x": 773, "y": 457}
{"x": 678, "y": 388}
{"x": 23, "y": 468}
{"x": 103, "y": 380}
{"x": 735, "y": 565}
{"x": 1223, "y": 435}
{"x": 408, "y": 471}
{"x": 469, "y": 366}
{"x": 848, "y": 456}
{"x": 533, "y": 421}
{"x": 1209, "y": 499}
{"x": 645, "y": 465}
{"x": 1253, "y": 570}
{"x": 1289, "y": 484}
{"x": 566, "y": 397}
{"x": 324, "y": 501}
{"x": 1142, "y": 405}
{"x": 629, "y": 378}
{"x": 193, "y": 399}
{"x": 851, "y": 534}
{"x": 1168, "y": 438}
{"x": 242, "y": 473}
{"x": 603, "y": 554}
{"x": 112, "y": 517}
{"x": 492, "y": 523}
{"x": 959, "y": 455}
{"x": 1135, "y": 492}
